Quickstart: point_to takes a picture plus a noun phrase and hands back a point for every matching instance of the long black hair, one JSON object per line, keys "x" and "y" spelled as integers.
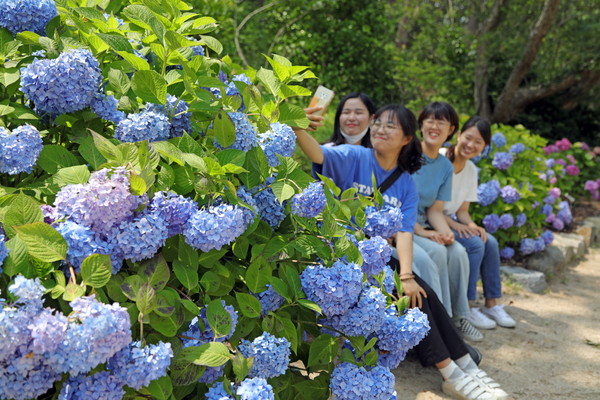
{"x": 411, "y": 155}
{"x": 440, "y": 110}
{"x": 482, "y": 126}
{"x": 337, "y": 138}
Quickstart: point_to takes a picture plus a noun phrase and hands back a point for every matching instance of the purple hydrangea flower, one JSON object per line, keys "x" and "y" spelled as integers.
{"x": 527, "y": 246}
{"x": 506, "y": 221}
{"x": 140, "y": 238}
{"x": 146, "y": 125}
{"x": 572, "y": 170}
{"x": 488, "y": 192}
{"x": 269, "y": 299}
{"x": 20, "y": 150}
{"x": 136, "y": 366}
{"x": 176, "y": 210}
{"x": 310, "y": 202}
{"x": 350, "y": 382}
{"x": 280, "y": 139}
{"x": 402, "y": 333}
{"x": 27, "y": 15}
{"x": 517, "y": 148}
{"x": 376, "y": 253}
{"x": 564, "y": 212}
{"x": 507, "y": 253}
{"x": 101, "y": 385}
{"x": 548, "y": 237}
{"x": 254, "y": 389}
{"x": 491, "y": 223}
{"x": 176, "y": 111}
{"x": 270, "y": 209}
{"x": 509, "y": 194}
{"x": 520, "y": 220}
{"x": 363, "y": 318}
{"x": 557, "y": 224}
{"x": 498, "y": 139}
{"x": 502, "y": 160}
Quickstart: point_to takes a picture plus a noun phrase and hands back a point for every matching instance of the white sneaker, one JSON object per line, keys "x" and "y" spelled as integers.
{"x": 468, "y": 331}
{"x": 493, "y": 386}
{"x": 467, "y": 388}
{"x": 498, "y": 314}
{"x": 479, "y": 320}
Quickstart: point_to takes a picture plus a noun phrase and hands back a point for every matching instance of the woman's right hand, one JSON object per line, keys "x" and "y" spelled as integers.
{"x": 435, "y": 236}
{"x": 316, "y": 121}
{"x": 414, "y": 291}
{"x": 465, "y": 231}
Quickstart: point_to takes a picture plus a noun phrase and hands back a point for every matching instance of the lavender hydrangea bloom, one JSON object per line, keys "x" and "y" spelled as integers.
{"x": 271, "y": 355}
{"x": 146, "y": 125}
{"x": 214, "y": 227}
{"x": 376, "y": 253}
{"x": 517, "y": 148}
{"x": 136, "y": 366}
{"x": 557, "y": 223}
{"x": 506, "y": 221}
{"x": 546, "y": 209}
{"x": 141, "y": 238}
{"x": 527, "y": 246}
{"x": 310, "y": 202}
{"x": 498, "y": 139}
{"x": 363, "y": 318}
{"x": 539, "y": 244}
{"x": 27, "y": 15}
{"x": 279, "y": 140}
{"x": 488, "y": 192}
{"x": 334, "y": 289}
{"x": 176, "y": 110}
{"x": 217, "y": 392}
{"x": 548, "y": 237}
{"x": 385, "y": 221}
{"x": 200, "y": 332}
{"x": 491, "y": 223}
{"x": 402, "y": 333}
{"x": 245, "y": 133}
{"x": 269, "y": 208}
{"x": 509, "y": 194}
{"x": 564, "y": 212}
{"x": 65, "y": 84}
{"x": 100, "y": 386}
{"x": 211, "y": 374}
{"x": 255, "y": 389}
{"x": 521, "y": 219}
{"x": 29, "y": 291}
{"x": 502, "y": 160}
{"x": 507, "y": 253}
{"x": 550, "y": 163}
{"x": 350, "y": 382}
{"x": 3, "y": 251}
{"x": 20, "y": 150}
{"x": 175, "y": 209}
{"x": 106, "y": 108}
{"x": 269, "y": 299}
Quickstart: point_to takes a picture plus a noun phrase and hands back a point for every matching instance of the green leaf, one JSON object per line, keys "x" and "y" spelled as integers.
{"x": 293, "y": 280}
{"x": 282, "y": 191}
{"x": 119, "y": 81}
{"x": 231, "y": 156}
{"x": 224, "y": 129}
{"x": 241, "y": 366}
{"x": 116, "y": 42}
{"x": 73, "y": 291}
{"x": 8, "y": 76}
{"x": 17, "y": 261}
{"x": 23, "y": 210}
{"x": 248, "y": 304}
{"x": 107, "y": 148}
{"x": 155, "y": 271}
{"x": 71, "y": 175}
{"x": 293, "y": 115}
{"x": 317, "y": 388}
{"x": 136, "y": 62}
{"x": 212, "y": 354}
{"x": 257, "y": 166}
{"x": 145, "y": 298}
{"x": 161, "y": 388}
{"x": 212, "y": 43}
{"x": 322, "y": 350}
{"x": 90, "y": 153}
{"x": 96, "y": 270}
{"x": 218, "y": 318}
{"x": 142, "y": 16}
{"x": 268, "y": 79}
{"x": 167, "y": 326}
{"x": 131, "y": 286}
{"x": 183, "y": 371}
{"x": 150, "y": 86}
{"x": 186, "y": 274}
{"x": 54, "y": 157}
{"x": 43, "y": 242}
{"x": 257, "y": 275}
{"x": 166, "y": 302}
{"x": 310, "y": 305}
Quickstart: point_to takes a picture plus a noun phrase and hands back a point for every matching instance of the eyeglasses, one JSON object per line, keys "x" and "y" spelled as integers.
{"x": 439, "y": 122}
{"x": 388, "y": 127}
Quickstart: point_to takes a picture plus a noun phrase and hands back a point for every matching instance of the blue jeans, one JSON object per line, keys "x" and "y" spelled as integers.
{"x": 448, "y": 265}
{"x": 484, "y": 260}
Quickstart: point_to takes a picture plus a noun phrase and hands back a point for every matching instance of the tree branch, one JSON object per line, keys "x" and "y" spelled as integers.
{"x": 241, "y": 25}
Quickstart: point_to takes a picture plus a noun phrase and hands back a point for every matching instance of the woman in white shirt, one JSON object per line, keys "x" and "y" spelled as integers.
{"x": 482, "y": 248}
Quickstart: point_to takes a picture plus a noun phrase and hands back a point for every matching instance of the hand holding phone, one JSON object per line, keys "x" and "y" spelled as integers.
{"x": 321, "y": 98}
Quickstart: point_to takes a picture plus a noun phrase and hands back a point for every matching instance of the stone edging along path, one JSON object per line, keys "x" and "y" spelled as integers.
{"x": 566, "y": 249}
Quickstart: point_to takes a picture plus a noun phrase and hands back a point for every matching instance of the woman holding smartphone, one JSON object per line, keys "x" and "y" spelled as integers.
{"x": 394, "y": 145}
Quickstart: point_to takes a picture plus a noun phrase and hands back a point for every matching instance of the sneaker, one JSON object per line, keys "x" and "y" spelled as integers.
{"x": 498, "y": 314}
{"x": 468, "y": 331}
{"x": 479, "y": 320}
{"x": 493, "y": 386}
{"x": 467, "y": 388}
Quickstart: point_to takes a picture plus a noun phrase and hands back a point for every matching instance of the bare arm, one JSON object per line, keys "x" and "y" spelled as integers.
{"x": 307, "y": 143}
{"x": 437, "y": 219}
{"x": 404, "y": 245}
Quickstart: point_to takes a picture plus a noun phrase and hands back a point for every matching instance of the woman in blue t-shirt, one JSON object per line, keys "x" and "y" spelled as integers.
{"x": 394, "y": 145}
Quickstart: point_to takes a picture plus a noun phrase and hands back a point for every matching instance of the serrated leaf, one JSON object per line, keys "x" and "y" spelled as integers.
{"x": 268, "y": 79}
{"x": 155, "y": 271}
{"x": 54, "y": 157}
{"x": 212, "y": 354}
{"x": 322, "y": 350}
{"x": 96, "y": 270}
{"x": 150, "y": 86}
{"x": 73, "y": 291}
{"x": 23, "y": 210}
{"x": 248, "y": 304}
{"x": 43, "y": 242}
{"x": 116, "y": 42}
{"x": 145, "y": 298}
{"x": 257, "y": 275}
{"x": 131, "y": 286}
{"x": 17, "y": 261}
{"x": 293, "y": 115}
{"x": 119, "y": 81}
{"x": 218, "y": 318}
{"x": 223, "y": 129}
{"x": 183, "y": 371}
{"x": 186, "y": 274}
{"x": 71, "y": 175}
{"x": 107, "y": 148}
{"x": 283, "y": 191}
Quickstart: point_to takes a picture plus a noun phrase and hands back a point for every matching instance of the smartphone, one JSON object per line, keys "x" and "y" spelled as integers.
{"x": 322, "y": 97}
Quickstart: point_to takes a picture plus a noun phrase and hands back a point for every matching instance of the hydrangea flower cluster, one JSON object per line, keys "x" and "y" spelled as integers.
{"x": 491, "y": 222}
{"x": 214, "y": 227}
{"x": 499, "y": 139}
{"x": 376, "y": 253}
{"x": 27, "y": 15}
{"x": 506, "y": 221}
{"x": 146, "y": 125}
{"x": 137, "y": 366}
{"x": 334, "y": 289}
{"x": 384, "y": 222}
{"x": 280, "y": 139}
{"x": 593, "y": 187}
{"x": 310, "y": 202}
{"x": 106, "y": 108}
{"x": 101, "y": 385}
{"x": 520, "y": 220}
{"x": 200, "y": 332}
{"x": 269, "y": 299}
{"x": 507, "y": 253}
{"x": 388, "y": 280}
{"x": 3, "y": 252}
{"x": 141, "y": 238}
{"x": 174, "y": 209}
{"x": 176, "y": 110}
{"x": 530, "y": 246}
{"x": 517, "y": 148}
{"x": 248, "y": 389}
{"x": 246, "y": 197}
{"x": 502, "y": 160}
{"x": 350, "y": 382}
{"x": 363, "y": 318}
{"x": 65, "y": 84}
{"x": 269, "y": 208}
{"x": 553, "y": 195}
{"x": 271, "y": 355}
{"x": 509, "y": 194}
{"x": 245, "y": 133}
{"x": 488, "y": 192}
{"x": 20, "y": 150}
{"x": 572, "y": 170}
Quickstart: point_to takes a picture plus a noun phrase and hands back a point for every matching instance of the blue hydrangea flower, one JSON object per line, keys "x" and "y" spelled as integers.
{"x": 245, "y": 132}
{"x": 137, "y": 366}
{"x": 175, "y": 209}
{"x": 564, "y": 212}
{"x": 363, "y": 318}
{"x": 488, "y": 192}
{"x": 211, "y": 374}
{"x": 146, "y": 125}
{"x": 20, "y": 150}
{"x": 384, "y": 222}
{"x": 106, "y": 108}
{"x": 527, "y": 246}
{"x": 388, "y": 280}
{"x": 176, "y": 110}
{"x": 214, "y": 227}
{"x": 279, "y": 140}
{"x": 271, "y": 355}
{"x": 3, "y": 252}
{"x": 334, "y": 289}
{"x": 242, "y": 78}
{"x": 391, "y": 359}
{"x": 506, "y": 221}
{"x": 491, "y": 223}
{"x": 140, "y": 238}
{"x": 246, "y": 197}
{"x": 350, "y": 382}
{"x": 310, "y": 202}
{"x": 376, "y": 253}
{"x": 547, "y": 237}
{"x": 484, "y": 154}
{"x": 510, "y": 194}
{"x": 29, "y": 291}
{"x": 200, "y": 332}
{"x": 547, "y": 209}
{"x": 517, "y": 148}
{"x": 502, "y": 160}
{"x": 539, "y": 244}
{"x": 100, "y": 386}
{"x": 217, "y": 392}
{"x": 498, "y": 139}
{"x": 269, "y": 299}
{"x": 255, "y": 389}
{"x": 269, "y": 208}
{"x": 521, "y": 219}
{"x": 507, "y": 253}
{"x": 65, "y": 84}
{"x": 550, "y": 163}
{"x": 27, "y": 15}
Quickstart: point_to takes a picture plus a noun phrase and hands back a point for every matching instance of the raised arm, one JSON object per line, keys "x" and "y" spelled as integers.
{"x": 307, "y": 143}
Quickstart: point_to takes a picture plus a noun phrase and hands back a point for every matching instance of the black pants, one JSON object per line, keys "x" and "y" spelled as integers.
{"x": 443, "y": 340}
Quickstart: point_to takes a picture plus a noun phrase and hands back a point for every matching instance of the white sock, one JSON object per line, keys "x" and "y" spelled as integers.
{"x": 451, "y": 372}
{"x": 467, "y": 364}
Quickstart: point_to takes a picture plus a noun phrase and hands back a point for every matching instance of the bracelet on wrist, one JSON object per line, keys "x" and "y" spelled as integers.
{"x": 407, "y": 277}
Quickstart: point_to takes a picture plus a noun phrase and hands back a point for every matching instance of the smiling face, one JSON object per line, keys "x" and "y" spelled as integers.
{"x": 469, "y": 143}
{"x": 387, "y": 134}
{"x": 354, "y": 118}
{"x": 436, "y": 132}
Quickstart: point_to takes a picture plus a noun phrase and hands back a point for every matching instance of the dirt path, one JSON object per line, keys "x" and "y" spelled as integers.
{"x": 547, "y": 356}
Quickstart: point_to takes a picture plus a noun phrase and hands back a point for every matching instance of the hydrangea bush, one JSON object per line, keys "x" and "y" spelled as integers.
{"x": 157, "y": 240}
